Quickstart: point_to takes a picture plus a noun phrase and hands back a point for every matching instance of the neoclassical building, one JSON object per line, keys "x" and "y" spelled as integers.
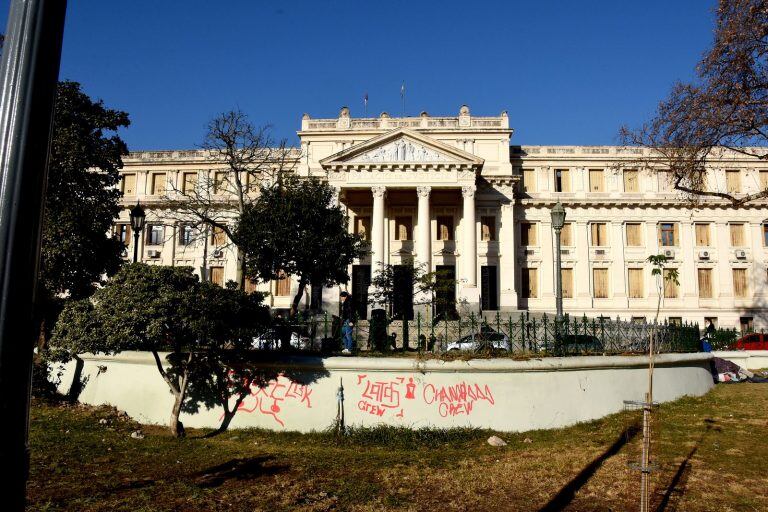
{"x": 452, "y": 193}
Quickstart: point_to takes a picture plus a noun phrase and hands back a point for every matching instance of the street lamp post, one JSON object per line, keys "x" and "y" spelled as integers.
{"x": 558, "y": 221}
{"x": 137, "y": 225}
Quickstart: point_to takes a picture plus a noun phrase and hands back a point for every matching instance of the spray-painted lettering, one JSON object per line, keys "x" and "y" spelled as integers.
{"x": 457, "y": 399}
{"x": 271, "y": 398}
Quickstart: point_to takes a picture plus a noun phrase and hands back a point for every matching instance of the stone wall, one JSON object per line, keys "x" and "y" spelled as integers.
{"x": 501, "y": 394}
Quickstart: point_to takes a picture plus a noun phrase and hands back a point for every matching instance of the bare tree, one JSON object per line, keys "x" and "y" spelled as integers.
{"x": 243, "y": 158}
{"x": 723, "y": 113}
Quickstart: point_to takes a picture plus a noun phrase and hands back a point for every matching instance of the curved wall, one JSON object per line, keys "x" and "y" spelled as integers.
{"x": 500, "y": 394}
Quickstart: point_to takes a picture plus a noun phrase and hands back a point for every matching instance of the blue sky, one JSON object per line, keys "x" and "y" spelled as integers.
{"x": 568, "y": 72}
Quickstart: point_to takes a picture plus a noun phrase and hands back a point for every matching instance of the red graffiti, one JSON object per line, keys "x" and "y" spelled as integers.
{"x": 457, "y": 399}
{"x": 271, "y": 399}
{"x": 381, "y": 395}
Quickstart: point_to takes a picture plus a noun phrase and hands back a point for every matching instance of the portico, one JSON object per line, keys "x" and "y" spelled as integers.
{"x": 412, "y": 177}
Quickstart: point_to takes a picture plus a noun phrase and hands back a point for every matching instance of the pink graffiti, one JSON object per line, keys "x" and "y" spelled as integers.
{"x": 457, "y": 399}
{"x": 270, "y": 399}
{"x": 382, "y": 395}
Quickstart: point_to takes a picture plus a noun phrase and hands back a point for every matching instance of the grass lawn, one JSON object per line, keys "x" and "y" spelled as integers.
{"x": 712, "y": 455}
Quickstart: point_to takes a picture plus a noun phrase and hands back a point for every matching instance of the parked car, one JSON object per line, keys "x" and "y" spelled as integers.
{"x": 487, "y": 338}
{"x": 270, "y": 340}
{"x": 753, "y": 341}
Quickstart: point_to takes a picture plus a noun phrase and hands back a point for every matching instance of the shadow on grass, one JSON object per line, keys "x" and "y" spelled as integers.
{"x": 237, "y": 469}
{"x": 679, "y": 480}
{"x": 568, "y": 493}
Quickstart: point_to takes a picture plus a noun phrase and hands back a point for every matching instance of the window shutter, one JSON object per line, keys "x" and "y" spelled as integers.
{"x": 705, "y": 283}
{"x": 702, "y": 235}
{"x": 675, "y": 234}
{"x": 740, "y": 282}
{"x": 636, "y": 290}
{"x": 534, "y": 280}
{"x": 217, "y": 275}
{"x": 567, "y": 281}
{"x": 566, "y": 180}
{"x": 600, "y": 282}
{"x": 670, "y": 288}
{"x": 283, "y": 285}
{"x": 529, "y": 180}
{"x": 129, "y": 184}
{"x": 566, "y": 235}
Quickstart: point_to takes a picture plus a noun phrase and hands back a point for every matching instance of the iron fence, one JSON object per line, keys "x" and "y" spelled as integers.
{"x": 496, "y": 333}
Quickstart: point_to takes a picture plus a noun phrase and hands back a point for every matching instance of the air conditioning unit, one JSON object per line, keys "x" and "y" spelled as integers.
{"x": 565, "y": 252}
{"x": 153, "y": 254}
{"x": 740, "y": 253}
{"x": 703, "y": 255}
{"x": 669, "y": 253}
{"x": 124, "y": 252}
{"x": 218, "y": 253}
{"x": 530, "y": 252}
{"x": 599, "y": 252}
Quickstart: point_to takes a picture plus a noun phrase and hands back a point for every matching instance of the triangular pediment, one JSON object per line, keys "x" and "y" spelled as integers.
{"x": 402, "y": 146}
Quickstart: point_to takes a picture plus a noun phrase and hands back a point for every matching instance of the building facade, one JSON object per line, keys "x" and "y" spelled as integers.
{"x": 452, "y": 194}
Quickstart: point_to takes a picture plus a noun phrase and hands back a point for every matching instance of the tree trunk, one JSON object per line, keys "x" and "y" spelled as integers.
{"x": 177, "y": 428}
{"x": 299, "y": 294}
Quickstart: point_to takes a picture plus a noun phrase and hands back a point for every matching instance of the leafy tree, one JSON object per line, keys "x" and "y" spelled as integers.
{"x": 297, "y": 228}
{"x": 82, "y": 199}
{"x": 726, "y": 108}
{"x": 159, "y": 309}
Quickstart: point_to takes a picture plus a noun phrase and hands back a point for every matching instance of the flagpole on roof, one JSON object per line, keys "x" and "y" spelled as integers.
{"x": 365, "y": 104}
{"x": 402, "y": 96}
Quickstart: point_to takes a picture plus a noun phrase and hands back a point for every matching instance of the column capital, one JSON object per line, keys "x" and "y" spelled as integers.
{"x": 379, "y": 191}
{"x": 468, "y": 191}
{"x": 423, "y": 191}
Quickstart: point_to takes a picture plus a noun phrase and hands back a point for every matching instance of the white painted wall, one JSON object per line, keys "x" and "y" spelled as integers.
{"x": 748, "y": 359}
{"x": 500, "y": 394}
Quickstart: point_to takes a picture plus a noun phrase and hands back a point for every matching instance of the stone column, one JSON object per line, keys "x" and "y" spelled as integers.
{"x": 377, "y": 229}
{"x": 424, "y": 236}
{"x": 469, "y": 250}
{"x": 507, "y": 255}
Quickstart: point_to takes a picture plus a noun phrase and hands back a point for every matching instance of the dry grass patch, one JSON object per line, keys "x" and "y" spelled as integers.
{"x": 84, "y": 459}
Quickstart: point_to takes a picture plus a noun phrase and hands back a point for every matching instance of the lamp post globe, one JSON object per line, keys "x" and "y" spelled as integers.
{"x": 138, "y": 216}
{"x": 558, "y": 221}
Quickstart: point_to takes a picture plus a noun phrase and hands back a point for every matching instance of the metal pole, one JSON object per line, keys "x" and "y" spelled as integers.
{"x": 136, "y": 234}
{"x": 28, "y": 76}
{"x": 558, "y": 277}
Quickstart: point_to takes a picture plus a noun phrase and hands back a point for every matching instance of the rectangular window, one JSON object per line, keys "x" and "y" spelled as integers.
{"x": 737, "y": 235}
{"x": 705, "y": 283}
{"x": 668, "y": 234}
{"x": 283, "y": 285}
{"x": 128, "y": 184}
{"x": 123, "y": 233}
{"x": 528, "y": 233}
{"x": 765, "y": 235}
{"x": 189, "y": 182}
{"x": 566, "y": 235}
{"x": 740, "y": 288}
{"x": 363, "y": 227}
{"x": 702, "y": 234}
{"x": 529, "y": 180}
{"x": 746, "y": 324}
{"x": 562, "y": 180}
{"x": 403, "y": 228}
{"x": 599, "y": 234}
{"x": 763, "y": 180}
{"x": 636, "y": 283}
{"x": 217, "y": 275}
{"x": 158, "y": 183}
{"x": 488, "y": 228}
{"x": 530, "y": 283}
{"x": 634, "y": 234}
{"x": 155, "y": 234}
{"x": 596, "y": 180}
{"x": 251, "y": 285}
{"x": 665, "y": 181}
{"x": 567, "y": 278}
{"x": 186, "y": 233}
{"x": 733, "y": 181}
{"x": 675, "y": 320}
{"x": 670, "y": 287}
{"x": 600, "y": 282}
{"x": 219, "y": 182}
{"x": 218, "y": 237}
{"x": 445, "y": 227}
{"x": 631, "y": 181}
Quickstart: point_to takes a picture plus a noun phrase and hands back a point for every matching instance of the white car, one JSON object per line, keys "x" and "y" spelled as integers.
{"x": 480, "y": 340}
{"x": 269, "y": 340}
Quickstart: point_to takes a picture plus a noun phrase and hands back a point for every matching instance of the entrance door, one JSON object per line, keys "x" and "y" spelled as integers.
{"x": 402, "y": 303}
{"x": 445, "y": 292}
{"x": 488, "y": 288}
{"x": 361, "y": 280}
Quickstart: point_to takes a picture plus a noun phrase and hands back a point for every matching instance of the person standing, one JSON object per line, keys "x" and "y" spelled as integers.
{"x": 347, "y": 322}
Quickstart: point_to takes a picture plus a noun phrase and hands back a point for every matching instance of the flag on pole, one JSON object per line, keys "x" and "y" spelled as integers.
{"x": 402, "y": 91}
{"x": 365, "y": 101}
